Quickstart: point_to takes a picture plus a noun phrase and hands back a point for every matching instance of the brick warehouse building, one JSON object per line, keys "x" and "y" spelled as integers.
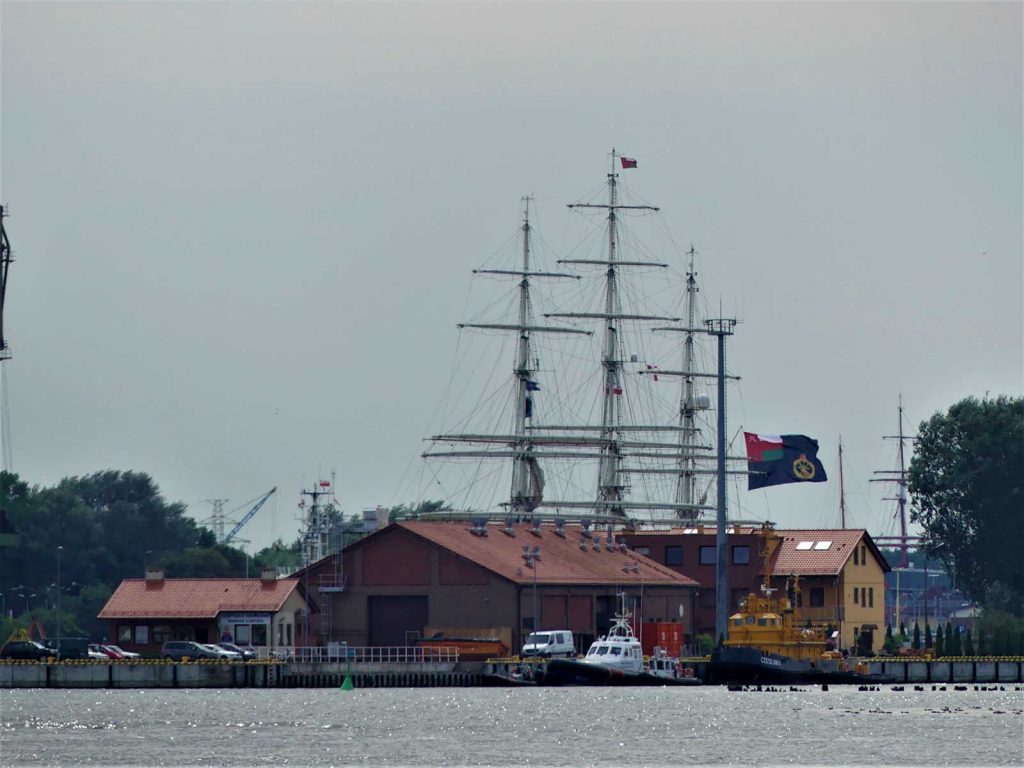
{"x": 841, "y": 574}
{"x": 415, "y": 578}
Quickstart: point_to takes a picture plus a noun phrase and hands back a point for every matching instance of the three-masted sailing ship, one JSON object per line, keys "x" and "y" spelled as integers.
{"x": 605, "y": 442}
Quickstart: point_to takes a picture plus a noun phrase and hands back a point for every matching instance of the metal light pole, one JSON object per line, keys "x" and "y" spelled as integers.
{"x": 531, "y": 558}
{"x": 60, "y": 549}
{"x": 721, "y": 328}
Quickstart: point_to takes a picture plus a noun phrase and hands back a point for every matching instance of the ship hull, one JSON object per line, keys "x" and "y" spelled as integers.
{"x": 568, "y": 672}
{"x": 738, "y": 665}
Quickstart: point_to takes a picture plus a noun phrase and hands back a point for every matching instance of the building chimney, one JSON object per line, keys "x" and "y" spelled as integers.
{"x": 268, "y": 575}
{"x": 154, "y": 577}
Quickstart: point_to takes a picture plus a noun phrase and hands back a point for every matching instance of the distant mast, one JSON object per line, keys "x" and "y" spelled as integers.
{"x": 898, "y": 476}
{"x": 842, "y": 492}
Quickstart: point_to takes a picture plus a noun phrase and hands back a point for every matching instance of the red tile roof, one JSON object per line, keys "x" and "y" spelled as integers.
{"x": 819, "y": 562}
{"x": 562, "y": 561}
{"x": 195, "y": 598}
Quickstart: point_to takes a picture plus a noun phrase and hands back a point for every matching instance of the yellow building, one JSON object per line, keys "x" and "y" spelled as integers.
{"x": 841, "y": 580}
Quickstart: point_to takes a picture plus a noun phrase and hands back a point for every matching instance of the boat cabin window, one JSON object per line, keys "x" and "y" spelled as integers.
{"x": 602, "y": 650}
{"x": 762, "y": 622}
{"x": 737, "y": 622}
{"x": 750, "y": 619}
{"x": 616, "y": 651}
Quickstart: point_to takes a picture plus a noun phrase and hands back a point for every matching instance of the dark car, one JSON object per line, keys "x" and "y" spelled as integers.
{"x": 25, "y": 650}
{"x": 176, "y": 650}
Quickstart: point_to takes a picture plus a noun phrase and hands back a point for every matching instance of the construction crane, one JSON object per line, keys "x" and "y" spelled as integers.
{"x": 248, "y": 515}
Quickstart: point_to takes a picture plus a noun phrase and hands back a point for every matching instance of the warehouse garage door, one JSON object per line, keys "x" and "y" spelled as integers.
{"x": 392, "y": 617}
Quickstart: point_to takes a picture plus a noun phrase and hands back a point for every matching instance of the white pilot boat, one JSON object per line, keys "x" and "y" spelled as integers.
{"x": 618, "y": 650}
{"x": 616, "y": 659}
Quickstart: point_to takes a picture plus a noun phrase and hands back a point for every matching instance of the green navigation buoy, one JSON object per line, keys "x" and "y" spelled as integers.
{"x": 346, "y": 684}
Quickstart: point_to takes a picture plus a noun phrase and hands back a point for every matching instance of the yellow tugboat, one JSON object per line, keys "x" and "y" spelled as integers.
{"x": 768, "y": 643}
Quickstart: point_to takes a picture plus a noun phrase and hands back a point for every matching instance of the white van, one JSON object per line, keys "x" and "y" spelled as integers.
{"x": 550, "y": 643}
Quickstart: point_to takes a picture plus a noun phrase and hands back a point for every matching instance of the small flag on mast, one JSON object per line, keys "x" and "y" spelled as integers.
{"x": 628, "y": 162}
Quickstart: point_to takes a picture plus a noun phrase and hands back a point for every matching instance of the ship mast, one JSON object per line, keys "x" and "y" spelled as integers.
{"x": 842, "y": 492}
{"x": 527, "y": 476}
{"x": 687, "y": 405}
{"x": 610, "y": 483}
{"x": 899, "y": 476}
{"x": 526, "y": 472}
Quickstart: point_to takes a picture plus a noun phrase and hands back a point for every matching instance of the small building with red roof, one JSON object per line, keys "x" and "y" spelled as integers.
{"x": 420, "y": 578}
{"x": 839, "y": 574}
{"x": 263, "y": 613}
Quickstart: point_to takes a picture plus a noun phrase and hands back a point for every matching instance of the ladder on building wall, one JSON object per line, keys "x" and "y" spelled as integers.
{"x": 332, "y": 582}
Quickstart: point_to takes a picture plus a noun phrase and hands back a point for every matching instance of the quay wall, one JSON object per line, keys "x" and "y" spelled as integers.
{"x": 162, "y": 674}
{"x": 122, "y": 674}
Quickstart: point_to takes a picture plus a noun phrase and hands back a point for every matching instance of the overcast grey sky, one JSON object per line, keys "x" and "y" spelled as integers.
{"x": 244, "y": 231}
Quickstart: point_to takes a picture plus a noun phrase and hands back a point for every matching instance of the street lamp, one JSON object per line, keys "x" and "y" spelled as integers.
{"x": 27, "y": 597}
{"x": 532, "y": 557}
{"x": 60, "y": 549}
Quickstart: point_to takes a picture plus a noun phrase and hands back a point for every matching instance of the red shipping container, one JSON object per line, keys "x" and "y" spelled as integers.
{"x": 663, "y": 634}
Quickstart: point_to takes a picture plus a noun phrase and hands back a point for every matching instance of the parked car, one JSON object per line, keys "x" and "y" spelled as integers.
{"x": 121, "y": 652}
{"x": 68, "y": 648}
{"x": 26, "y": 650}
{"x": 246, "y": 653}
{"x": 222, "y": 653}
{"x": 176, "y": 650}
{"x": 95, "y": 652}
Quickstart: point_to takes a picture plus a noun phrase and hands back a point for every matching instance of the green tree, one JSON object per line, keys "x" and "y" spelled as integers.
{"x": 940, "y": 650}
{"x": 102, "y": 528}
{"x": 968, "y": 644}
{"x": 279, "y": 555}
{"x": 916, "y": 642}
{"x": 889, "y": 644}
{"x": 927, "y": 635}
{"x": 956, "y": 648}
{"x": 966, "y": 485}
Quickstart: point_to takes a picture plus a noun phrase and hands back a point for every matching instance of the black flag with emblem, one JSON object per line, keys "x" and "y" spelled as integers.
{"x": 778, "y": 459}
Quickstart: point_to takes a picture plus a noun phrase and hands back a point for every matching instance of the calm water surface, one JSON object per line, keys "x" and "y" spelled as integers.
{"x": 501, "y": 727}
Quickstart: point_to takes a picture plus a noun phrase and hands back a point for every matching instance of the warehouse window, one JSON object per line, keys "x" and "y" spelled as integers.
{"x": 708, "y": 555}
{"x": 741, "y": 554}
{"x": 673, "y": 555}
